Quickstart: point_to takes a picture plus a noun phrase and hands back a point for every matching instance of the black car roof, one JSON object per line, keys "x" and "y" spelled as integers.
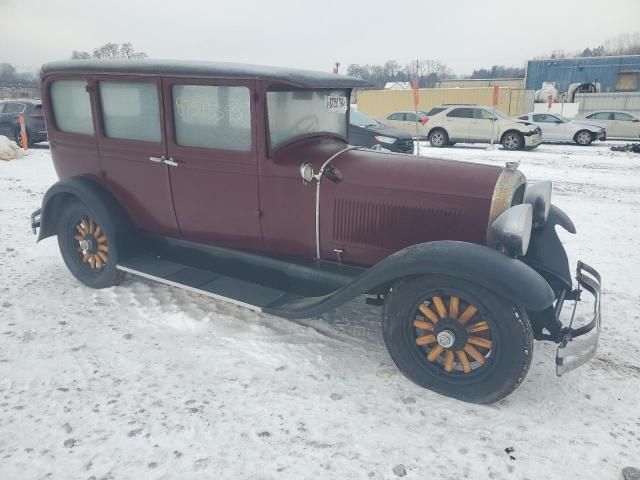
{"x": 297, "y": 77}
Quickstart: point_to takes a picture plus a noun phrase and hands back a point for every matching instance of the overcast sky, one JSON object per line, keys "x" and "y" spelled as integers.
{"x": 464, "y": 34}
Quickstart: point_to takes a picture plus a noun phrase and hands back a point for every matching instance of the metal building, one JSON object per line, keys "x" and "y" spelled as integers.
{"x": 613, "y": 74}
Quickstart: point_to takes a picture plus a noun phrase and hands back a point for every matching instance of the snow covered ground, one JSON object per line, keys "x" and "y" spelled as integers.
{"x": 146, "y": 381}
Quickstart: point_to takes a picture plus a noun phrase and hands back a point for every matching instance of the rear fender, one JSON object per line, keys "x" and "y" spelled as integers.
{"x": 506, "y": 277}
{"x": 89, "y": 192}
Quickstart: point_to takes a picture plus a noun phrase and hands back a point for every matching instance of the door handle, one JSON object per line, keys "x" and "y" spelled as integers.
{"x": 170, "y": 161}
{"x": 160, "y": 159}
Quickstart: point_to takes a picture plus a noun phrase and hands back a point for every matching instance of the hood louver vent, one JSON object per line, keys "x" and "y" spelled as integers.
{"x": 391, "y": 226}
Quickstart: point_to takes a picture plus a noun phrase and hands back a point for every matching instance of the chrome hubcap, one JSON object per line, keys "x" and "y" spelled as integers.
{"x": 446, "y": 338}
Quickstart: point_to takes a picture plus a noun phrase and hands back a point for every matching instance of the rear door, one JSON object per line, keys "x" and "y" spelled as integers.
{"x": 213, "y": 161}
{"x": 132, "y": 146}
{"x": 457, "y": 123}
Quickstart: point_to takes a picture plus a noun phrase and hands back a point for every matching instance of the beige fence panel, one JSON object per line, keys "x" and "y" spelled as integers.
{"x": 378, "y": 103}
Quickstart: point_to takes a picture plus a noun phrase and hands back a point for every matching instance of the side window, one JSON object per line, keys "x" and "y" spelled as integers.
{"x": 409, "y": 117}
{"x": 435, "y": 111}
{"x": 395, "y": 116}
{"x": 622, "y": 116}
{"x": 212, "y": 117}
{"x": 481, "y": 114}
{"x": 460, "y": 113}
{"x": 600, "y": 116}
{"x": 544, "y": 118}
{"x": 523, "y": 117}
{"x": 130, "y": 110}
{"x": 71, "y": 106}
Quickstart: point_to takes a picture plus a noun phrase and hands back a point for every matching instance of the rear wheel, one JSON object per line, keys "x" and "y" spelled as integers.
{"x": 438, "y": 138}
{"x": 513, "y": 141}
{"x": 457, "y": 338}
{"x": 583, "y": 137}
{"x": 88, "y": 247}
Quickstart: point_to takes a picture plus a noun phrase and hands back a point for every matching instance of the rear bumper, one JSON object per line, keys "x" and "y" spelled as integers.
{"x": 578, "y": 345}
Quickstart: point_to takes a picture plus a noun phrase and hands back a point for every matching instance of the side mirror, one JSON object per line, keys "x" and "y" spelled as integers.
{"x": 306, "y": 172}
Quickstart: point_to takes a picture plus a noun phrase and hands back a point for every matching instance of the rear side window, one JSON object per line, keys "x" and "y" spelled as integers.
{"x": 13, "y": 107}
{"x": 461, "y": 113}
{"x": 435, "y": 111}
{"x": 622, "y": 116}
{"x": 71, "y": 106}
{"x": 600, "y": 116}
{"x": 212, "y": 117}
{"x": 524, "y": 117}
{"x": 130, "y": 110}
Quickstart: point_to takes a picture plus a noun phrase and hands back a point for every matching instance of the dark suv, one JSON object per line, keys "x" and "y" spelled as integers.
{"x": 31, "y": 110}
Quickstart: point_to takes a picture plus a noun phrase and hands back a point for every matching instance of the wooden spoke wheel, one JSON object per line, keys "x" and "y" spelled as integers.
{"x": 452, "y": 335}
{"x": 88, "y": 241}
{"x": 92, "y": 244}
{"x": 456, "y": 337}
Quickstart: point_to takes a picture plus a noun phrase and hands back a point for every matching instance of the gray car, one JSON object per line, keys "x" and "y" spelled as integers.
{"x": 31, "y": 110}
{"x": 558, "y": 129}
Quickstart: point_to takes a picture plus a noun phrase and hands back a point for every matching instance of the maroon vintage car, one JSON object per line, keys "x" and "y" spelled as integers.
{"x": 237, "y": 182}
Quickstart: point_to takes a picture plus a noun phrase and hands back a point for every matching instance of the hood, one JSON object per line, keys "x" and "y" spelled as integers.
{"x": 388, "y": 201}
{"x": 382, "y": 129}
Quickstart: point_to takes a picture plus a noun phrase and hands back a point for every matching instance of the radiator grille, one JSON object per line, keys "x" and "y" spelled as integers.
{"x": 391, "y": 226}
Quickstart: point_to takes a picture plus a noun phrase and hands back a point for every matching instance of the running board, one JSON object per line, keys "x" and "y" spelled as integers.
{"x": 204, "y": 282}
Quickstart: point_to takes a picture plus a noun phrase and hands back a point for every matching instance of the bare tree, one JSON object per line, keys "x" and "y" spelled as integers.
{"x": 110, "y": 51}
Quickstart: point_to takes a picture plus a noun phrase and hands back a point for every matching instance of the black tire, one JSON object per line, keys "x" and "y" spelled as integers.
{"x": 107, "y": 275}
{"x": 438, "y": 138}
{"x": 513, "y": 141}
{"x": 583, "y": 138}
{"x": 507, "y": 360}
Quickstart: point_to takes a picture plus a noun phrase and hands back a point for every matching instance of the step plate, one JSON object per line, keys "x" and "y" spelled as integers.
{"x": 204, "y": 282}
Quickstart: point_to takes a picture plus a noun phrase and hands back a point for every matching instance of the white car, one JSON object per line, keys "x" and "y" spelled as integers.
{"x": 557, "y": 129}
{"x": 406, "y": 121}
{"x": 618, "y": 124}
{"x": 475, "y": 124}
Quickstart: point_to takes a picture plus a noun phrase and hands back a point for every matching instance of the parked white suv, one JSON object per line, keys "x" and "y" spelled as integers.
{"x": 476, "y": 124}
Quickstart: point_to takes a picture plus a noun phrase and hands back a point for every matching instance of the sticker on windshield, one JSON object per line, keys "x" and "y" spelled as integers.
{"x": 337, "y": 104}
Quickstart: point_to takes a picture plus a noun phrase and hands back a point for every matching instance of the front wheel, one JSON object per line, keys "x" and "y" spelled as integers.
{"x": 456, "y": 338}
{"x": 513, "y": 141}
{"x": 88, "y": 247}
{"x": 584, "y": 138}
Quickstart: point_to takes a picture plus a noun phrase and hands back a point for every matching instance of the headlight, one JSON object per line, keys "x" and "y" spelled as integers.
{"x": 539, "y": 196}
{"x": 383, "y": 139}
{"x": 512, "y": 230}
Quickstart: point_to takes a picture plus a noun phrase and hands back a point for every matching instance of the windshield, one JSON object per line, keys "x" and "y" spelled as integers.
{"x": 305, "y": 112}
{"x": 361, "y": 120}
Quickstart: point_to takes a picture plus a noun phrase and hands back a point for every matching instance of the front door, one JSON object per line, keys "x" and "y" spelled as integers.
{"x": 131, "y": 144}
{"x": 481, "y": 126}
{"x": 552, "y": 127}
{"x": 211, "y": 145}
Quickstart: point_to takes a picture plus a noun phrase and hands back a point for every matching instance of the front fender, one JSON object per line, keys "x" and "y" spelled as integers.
{"x": 507, "y": 277}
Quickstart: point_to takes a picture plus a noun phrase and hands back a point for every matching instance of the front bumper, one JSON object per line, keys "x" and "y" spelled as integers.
{"x": 578, "y": 345}
{"x": 532, "y": 140}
